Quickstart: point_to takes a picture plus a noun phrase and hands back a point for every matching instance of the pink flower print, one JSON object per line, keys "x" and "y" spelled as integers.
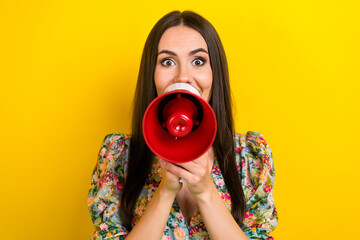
{"x": 179, "y": 216}
{"x": 119, "y": 185}
{"x": 250, "y": 219}
{"x": 134, "y": 220}
{"x": 121, "y": 145}
{"x": 102, "y": 152}
{"x": 103, "y": 226}
{"x": 262, "y": 140}
{"x": 226, "y": 198}
{"x": 257, "y": 162}
{"x": 220, "y": 182}
{"x": 109, "y": 157}
{"x": 247, "y": 181}
{"x": 268, "y": 188}
{"x": 166, "y": 238}
{"x": 250, "y": 137}
{"x": 101, "y": 182}
{"x": 238, "y": 149}
{"x": 242, "y": 163}
{"x": 101, "y": 206}
{"x": 179, "y": 234}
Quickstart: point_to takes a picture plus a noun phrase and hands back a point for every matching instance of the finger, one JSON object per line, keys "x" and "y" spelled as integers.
{"x": 189, "y": 166}
{"x": 195, "y": 166}
{"x": 169, "y": 175}
{"x": 179, "y": 171}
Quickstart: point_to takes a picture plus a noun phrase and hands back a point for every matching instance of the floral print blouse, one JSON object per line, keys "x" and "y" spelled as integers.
{"x": 256, "y": 171}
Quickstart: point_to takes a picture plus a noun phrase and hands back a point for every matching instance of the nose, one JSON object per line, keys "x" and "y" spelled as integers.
{"x": 184, "y": 74}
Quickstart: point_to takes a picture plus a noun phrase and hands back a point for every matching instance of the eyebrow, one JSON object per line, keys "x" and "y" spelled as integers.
{"x": 191, "y": 53}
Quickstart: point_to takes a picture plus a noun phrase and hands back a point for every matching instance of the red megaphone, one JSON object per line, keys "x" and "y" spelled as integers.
{"x": 179, "y": 126}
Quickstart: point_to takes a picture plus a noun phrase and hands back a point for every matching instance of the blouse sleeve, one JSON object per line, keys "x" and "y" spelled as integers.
{"x": 258, "y": 178}
{"x": 106, "y": 186}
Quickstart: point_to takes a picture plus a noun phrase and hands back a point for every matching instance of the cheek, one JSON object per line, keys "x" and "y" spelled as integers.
{"x": 160, "y": 81}
{"x": 205, "y": 80}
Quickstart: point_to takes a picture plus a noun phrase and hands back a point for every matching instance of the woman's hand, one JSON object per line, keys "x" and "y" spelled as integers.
{"x": 169, "y": 182}
{"x": 196, "y": 173}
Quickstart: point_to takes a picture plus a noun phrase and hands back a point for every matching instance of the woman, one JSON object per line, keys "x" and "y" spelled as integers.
{"x": 227, "y": 193}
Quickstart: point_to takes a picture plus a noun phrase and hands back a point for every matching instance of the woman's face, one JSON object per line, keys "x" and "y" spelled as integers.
{"x": 183, "y": 58}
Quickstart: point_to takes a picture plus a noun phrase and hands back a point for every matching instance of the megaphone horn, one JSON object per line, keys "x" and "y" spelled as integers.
{"x": 179, "y": 126}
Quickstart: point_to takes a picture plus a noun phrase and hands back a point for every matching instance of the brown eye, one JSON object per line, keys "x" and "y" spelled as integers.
{"x": 199, "y": 61}
{"x": 167, "y": 62}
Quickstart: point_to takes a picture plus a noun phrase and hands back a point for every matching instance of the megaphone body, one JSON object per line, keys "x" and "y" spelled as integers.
{"x": 179, "y": 126}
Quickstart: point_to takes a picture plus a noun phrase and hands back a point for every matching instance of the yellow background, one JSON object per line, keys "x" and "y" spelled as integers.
{"x": 68, "y": 72}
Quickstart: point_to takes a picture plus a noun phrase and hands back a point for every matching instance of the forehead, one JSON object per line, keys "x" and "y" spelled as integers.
{"x": 181, "y": 38}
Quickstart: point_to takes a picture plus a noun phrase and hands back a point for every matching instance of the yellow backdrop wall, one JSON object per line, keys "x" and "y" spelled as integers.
{"x": 68, "y": 72}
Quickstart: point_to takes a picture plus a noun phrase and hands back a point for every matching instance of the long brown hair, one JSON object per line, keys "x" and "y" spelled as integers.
{"x": 140, "y": 158}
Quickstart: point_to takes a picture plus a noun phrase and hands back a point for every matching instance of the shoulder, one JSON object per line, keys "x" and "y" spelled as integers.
{"x": 257, "y": 173}
{"x": 254, "y": 161}
{"x": 252, "y": 142}
{"x": 115, "y": 140}
{"x": 114, "y": 151}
